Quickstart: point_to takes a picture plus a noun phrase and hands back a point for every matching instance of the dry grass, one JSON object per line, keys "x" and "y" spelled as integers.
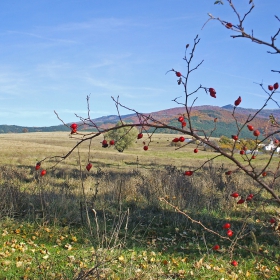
{"x": 27, "y": 148}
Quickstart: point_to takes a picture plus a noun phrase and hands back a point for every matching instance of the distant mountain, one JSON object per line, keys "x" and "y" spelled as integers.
{"x": 23, "y": 129}
{"x": 265, "y": 113}
{"x": 202, "y": 119}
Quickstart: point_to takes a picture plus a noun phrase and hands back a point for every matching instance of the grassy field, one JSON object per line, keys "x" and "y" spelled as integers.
{"x": 28, "y": 148}
{"x": 109, "y": 223}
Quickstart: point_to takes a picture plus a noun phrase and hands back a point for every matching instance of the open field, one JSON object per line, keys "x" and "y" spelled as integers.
{"x": 110, "y": 224}
{"x": 28, "y": 148}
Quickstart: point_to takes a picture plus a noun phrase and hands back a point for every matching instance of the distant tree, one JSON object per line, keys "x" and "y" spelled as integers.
{"x": 25, "y": 130}
{"x": 124, "y": 137}
{"x": 225, "y": 140}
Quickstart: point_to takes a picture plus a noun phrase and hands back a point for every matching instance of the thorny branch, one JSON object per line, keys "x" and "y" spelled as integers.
{"x": 243, "y": 34}
{"x": 148, "y": 121}
{"x": 233, "y": 242}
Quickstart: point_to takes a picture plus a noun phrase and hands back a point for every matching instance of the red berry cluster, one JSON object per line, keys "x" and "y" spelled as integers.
{"x": 182, "y": 121}
{"x": 249, "y": 197}
{"x": 241, "y": 201}
{"x": 38, "y": 166}
{"x": 229, "y": 231}
{"x": 180, "y": 139}
{"x": 105, "y": 143}
{"x": 255, "y": 132}
{"x": 139, "y": 136}
{"x": 274, "y": 87}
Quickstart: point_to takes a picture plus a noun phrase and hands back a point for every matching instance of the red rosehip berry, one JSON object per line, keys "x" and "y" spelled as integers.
{"x": 256, "y": 133}
{"x": 104, "y": 144}
{"x": 189, "y": 173}
{"x": 216, "y": 247}
{"x": 89, "y": 166}
{"x": 175, "y": 140}
{"x": 270, "y": 87}
{"x": 184, "y": 124}
{"x": 74, "y": 126}
{"x": 237, "y": 101}
{"x": 240, "y": 201}
{"x": 234, "y": 263}
{"x": 242, "y": 152}
{"x": 212, "y": 92}
{"x": 250, "y": 127}
{"x": 276, "y": 141}
{"x": 145, "y": 148}
{"x": 181, "y": 119}
{"x": 253, "y": 156}
{"x": 112, "y": 142}
{"x": 178, "y": 74}
{"x": 195, "y": 151}
{"x": 235, "y": 195}
{"x": 43, "y": 172}
{"x": 229, "y": 233}
{"x": 182, "y": 139}
{"x": 272, "y": 221}
{"x": 264, "y": 174}
{"x": 38, "y": 166}
{"x": 226, "y": 226}
{"x": 73, "y": 131}
{"x": 234, "y": 137}
{"x": 228, "y": 172}
{"x": 249, "y": 197}
{"x": 229, "y": 25}
{"x": 276, "y": 86}
{"x": 139, "y": 136}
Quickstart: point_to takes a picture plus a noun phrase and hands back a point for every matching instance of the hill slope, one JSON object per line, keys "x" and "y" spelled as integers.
{"x": 202, "y": 119}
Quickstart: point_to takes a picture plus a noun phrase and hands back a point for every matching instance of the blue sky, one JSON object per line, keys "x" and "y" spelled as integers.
{"x": 55, "y": 52}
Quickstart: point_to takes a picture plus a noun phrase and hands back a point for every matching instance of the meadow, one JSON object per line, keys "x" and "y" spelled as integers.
{"x": 129, "y": 216}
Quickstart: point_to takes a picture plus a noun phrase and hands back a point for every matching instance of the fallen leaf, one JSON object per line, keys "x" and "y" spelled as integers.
{"x": 199, "y": 263}
{"x": 19, "y": 264}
